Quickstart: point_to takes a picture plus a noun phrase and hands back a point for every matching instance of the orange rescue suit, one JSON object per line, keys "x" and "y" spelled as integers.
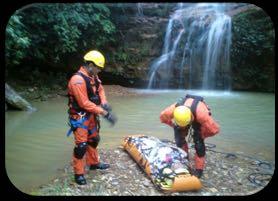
{"x": 77, "y": 89}
{"x": 204, "y": 126}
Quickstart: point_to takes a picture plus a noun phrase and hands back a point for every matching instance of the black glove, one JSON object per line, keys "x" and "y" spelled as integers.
{"x": 106, "y": 107}
{"x": 111, "y": 118}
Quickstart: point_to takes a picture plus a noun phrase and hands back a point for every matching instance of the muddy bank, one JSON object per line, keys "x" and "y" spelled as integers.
{"x": 225, "y": 174}
{"x": 44, "y": 94}
{"x": 37, "y": 94}
{"x": 117, "y": 90}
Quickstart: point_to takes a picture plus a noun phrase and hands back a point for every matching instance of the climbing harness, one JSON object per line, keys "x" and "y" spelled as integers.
{"x": 79, "y": 123}
{"x": 93, "y": 96}
{"x": 190, "y": 135}
{"x": 195, "y": 102}
{"x": 74, "y": 108}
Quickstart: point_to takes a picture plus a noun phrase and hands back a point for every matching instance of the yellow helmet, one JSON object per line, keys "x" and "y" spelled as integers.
{"x": 96, "y": 57}
{"x": 182, "y": 116}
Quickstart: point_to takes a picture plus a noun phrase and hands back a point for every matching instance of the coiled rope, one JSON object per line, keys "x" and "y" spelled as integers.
{"x": 256, "y": 178}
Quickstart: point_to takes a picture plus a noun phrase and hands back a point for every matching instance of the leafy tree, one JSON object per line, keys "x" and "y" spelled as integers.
{"x": 52, "y": 31}
{"x": 252, "y": 52}
{"x": 17, "y": 40}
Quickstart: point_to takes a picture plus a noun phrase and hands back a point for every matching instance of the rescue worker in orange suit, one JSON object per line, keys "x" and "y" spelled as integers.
{"x": 87, "y": 100}
{"x": 191, "y": 111}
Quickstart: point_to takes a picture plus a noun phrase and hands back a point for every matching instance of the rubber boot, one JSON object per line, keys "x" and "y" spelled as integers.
{"x": 100, "y": 166}
{"x": 80, "y": 179}
{"x": 198, "y": 173}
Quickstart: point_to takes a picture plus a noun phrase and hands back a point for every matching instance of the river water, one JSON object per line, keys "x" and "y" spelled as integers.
{"x": 36, "y": 145}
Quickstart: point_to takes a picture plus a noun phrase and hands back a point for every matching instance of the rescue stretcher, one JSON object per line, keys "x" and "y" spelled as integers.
{"x": 166, "y": 165}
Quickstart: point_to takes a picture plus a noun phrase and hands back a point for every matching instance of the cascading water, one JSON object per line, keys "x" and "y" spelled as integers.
{"x": 217, "y": 47}
{"x": 196, "y": 49}
{"x": 139, "y": 10}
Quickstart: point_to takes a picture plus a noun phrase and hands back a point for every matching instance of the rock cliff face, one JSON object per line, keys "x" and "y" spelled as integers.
{"x": 139, "y": 41}
{"x": 141, "y": 30}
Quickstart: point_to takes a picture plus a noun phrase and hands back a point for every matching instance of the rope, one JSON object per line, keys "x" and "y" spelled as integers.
{"x": 229, "y": 155}
{"x": 190, "y": 135}
{"x": 256, "y": 178}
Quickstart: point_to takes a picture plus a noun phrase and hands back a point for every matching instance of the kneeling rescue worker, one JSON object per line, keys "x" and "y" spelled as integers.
{"x": 87, "y": 101}
{"x": 191, "y": 111}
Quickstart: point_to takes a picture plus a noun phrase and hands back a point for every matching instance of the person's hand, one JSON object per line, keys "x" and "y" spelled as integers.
{"x": 111, "y": 118}
{"x": 106, "y": 107}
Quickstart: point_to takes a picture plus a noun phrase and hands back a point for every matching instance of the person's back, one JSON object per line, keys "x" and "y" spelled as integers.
{"x": 191, "y": 111}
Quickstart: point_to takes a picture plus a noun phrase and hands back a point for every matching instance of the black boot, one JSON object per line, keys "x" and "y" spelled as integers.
{"x": 198, "y": 173}
{"x": 101, "y": 166}
{"x": 80, "y": 179}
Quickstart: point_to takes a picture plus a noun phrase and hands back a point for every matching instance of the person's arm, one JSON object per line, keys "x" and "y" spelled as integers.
{"x": 103, "y": 100}
{"x": 79, "y": 91}
{"x": 102, "y": 95}
{"x": 208, "y": 126}
{"x": 104, "y": 105}
{"x": 166, "y": 115}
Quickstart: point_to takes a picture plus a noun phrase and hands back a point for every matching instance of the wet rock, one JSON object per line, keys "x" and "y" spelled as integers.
{"x": 114, "y": 182}
{"x": 214, "y": 190}
{"x": 146, "y": 183}
{"x": 30, "y": 89}
{"x": 15, "y": 100}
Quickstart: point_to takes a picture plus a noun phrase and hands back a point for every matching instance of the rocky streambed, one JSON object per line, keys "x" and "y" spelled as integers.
{"x": 225, "y": 174}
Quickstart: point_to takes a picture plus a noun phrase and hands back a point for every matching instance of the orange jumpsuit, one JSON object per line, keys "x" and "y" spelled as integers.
{"x": 77, "y": 89}
{"x": 203, "y": 125}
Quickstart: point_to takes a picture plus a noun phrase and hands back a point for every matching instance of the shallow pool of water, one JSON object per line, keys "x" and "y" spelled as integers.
{"x": 36, "y": 144}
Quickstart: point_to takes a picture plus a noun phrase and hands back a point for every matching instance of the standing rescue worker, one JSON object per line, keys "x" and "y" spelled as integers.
{"x": 87, "y": 101}
{"x": 191, "y": 111}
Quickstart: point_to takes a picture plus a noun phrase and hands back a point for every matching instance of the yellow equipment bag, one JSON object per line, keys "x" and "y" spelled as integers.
{"x": 166, "y": 165}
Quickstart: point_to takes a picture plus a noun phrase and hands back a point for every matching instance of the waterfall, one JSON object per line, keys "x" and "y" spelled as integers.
{"x": 218, "y": 37}
{"x": 196, "y": 50}
{"x": 139, "y": 10}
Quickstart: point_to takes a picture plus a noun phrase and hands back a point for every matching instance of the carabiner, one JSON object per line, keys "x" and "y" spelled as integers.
{"x": 81, "y": 115}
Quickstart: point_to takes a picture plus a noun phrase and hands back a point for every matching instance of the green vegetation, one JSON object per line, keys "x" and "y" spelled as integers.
{"x": 49, "y": 33}
{"x": 45, "y": 42}
{"x": 121, "y": 56}
{"x": 252, "y": 52}
{"x": 17, "y": 40}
